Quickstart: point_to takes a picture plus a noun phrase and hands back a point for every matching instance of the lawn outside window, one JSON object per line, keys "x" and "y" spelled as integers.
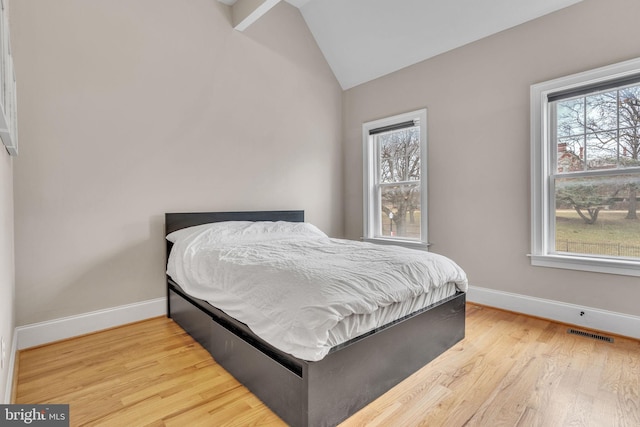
{"x": 395, "y": 179}
{"x": 585, "y": 154}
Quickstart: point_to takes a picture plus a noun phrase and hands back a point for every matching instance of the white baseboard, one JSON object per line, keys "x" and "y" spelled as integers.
{"x": 67, "y": 327}
{"x": 586, "y": 317}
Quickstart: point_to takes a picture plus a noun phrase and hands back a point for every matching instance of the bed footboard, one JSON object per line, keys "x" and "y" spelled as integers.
{"x": 328, "y": 391}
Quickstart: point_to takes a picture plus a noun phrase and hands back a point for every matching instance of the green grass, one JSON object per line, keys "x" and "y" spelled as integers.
{"x": 610, "y": 229}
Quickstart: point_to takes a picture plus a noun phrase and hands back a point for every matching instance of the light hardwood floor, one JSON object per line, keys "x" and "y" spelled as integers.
{"x": 510, "y": 370}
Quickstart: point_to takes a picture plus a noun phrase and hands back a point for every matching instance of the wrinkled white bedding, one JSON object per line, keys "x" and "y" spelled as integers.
{"x": 300, "y": 290}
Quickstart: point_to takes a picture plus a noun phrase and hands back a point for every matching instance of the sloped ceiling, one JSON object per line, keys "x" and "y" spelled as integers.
{"x": 366, "y": 39}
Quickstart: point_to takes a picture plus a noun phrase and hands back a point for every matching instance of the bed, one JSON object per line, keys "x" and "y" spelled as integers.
{"x": 301, "y": 390}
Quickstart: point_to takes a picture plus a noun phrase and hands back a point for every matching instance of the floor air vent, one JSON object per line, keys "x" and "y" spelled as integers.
{"x": 590, "y": 335}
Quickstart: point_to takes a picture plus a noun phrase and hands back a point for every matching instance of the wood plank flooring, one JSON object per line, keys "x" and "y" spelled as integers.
{"x": 510, "y": 370}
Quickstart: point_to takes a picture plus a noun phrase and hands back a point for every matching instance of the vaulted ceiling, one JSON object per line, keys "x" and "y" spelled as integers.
{"x": 366, "y": 39}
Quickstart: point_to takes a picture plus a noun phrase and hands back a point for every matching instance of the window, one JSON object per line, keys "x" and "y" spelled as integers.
{"x": 585, "y": 141}
{"x": 395, "y": 181}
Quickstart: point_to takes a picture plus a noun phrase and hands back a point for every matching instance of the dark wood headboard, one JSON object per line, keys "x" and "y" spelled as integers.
{"x": 177, "y": 221}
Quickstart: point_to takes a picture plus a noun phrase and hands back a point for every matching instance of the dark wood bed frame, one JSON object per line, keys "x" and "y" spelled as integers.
{"x": 328, "y": 391}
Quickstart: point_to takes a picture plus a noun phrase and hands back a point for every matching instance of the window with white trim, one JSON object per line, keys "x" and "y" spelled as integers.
{"x": 395, "y": 179}
{"x": 585, "y": 146}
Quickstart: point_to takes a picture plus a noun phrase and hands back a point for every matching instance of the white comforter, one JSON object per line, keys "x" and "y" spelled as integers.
{"x": 291, "y": 284}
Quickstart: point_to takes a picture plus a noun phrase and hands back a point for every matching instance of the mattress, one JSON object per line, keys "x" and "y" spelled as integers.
{"x": 300, "y": 290}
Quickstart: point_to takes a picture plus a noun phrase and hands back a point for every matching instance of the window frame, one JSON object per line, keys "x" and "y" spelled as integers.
{"x": 371, "y": 221}
{"x": 542, "y": 160}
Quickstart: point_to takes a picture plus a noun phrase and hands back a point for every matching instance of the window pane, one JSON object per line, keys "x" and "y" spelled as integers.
{"x": 602, "y": 111}
{"x": 399, "y": 155}
{"x": 598, "y": 215}
{"x": 570, "y": 154}
{"x": 630, "y": 126}
{"x": 602, "y": 150}
{"x": 630, "y": 147}
{"x": 630, "y": 107}
{"x": 400, "y": 210}
{"x": 570, "y": 117}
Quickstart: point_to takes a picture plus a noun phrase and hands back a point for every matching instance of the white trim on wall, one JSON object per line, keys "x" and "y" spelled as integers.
{"x": 586, "y": 317}
{"x": 372, "y": 229}
{"x": 543, "y": 252}
{"x": 67, "y": 327}
{"x": 13, "y": 351}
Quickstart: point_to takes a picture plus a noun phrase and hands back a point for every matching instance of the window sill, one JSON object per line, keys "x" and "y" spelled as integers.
{"x": 592, "y": 264}
{"x": 411, "y": 244}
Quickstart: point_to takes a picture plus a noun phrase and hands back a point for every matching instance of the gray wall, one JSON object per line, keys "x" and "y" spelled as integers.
{"x": 477, "y": 98}
{"x": 129, "y": 109}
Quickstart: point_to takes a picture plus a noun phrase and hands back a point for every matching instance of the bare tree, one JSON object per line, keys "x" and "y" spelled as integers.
{"x": 629, "y": 104}
{"x": 603, "y": 131}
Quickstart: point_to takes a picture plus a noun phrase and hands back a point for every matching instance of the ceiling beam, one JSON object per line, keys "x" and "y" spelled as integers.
{"x": 246, "y": 12}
